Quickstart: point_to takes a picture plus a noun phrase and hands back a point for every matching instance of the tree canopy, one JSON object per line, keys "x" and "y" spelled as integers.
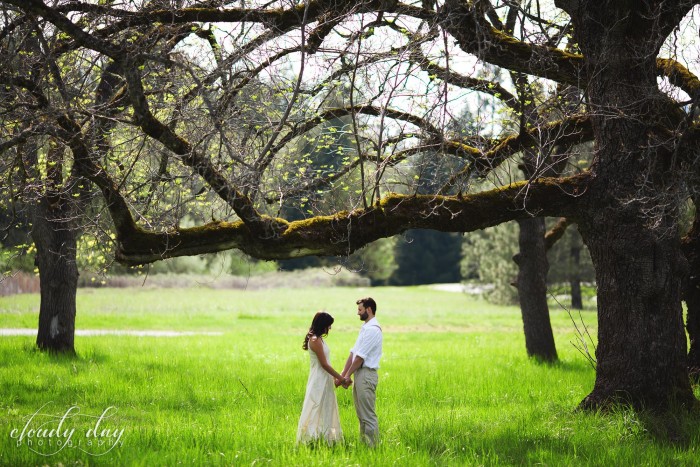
{"x": 224, "y": 113}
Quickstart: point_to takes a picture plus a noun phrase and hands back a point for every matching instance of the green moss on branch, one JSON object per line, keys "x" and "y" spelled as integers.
{"x": 344, "y": 232}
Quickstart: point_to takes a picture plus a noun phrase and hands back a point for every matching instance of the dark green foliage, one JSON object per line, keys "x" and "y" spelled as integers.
{"x": 303, "y": 263}
{"x": 15, "y": 240}
{"x": 375, "y": 261}
{"x": 427, "y": 257}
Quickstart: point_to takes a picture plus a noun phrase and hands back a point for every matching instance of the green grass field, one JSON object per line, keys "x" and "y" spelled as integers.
{"x": 456, "y": 387}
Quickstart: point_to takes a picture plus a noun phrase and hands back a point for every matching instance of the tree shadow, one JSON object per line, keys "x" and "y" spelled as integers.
{"x": 86, "y": 356}
{"x": 678, "y": 426}
{"x": 564, "y": 365}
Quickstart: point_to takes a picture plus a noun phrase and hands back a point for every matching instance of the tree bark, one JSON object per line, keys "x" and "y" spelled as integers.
{"x": 55, "y": 240}
{"x": 691, "y": 295}
{"x": 641, "y": 355}
{"x": 631, "y": 221}
{"x": 532, "y": 289}
{"x": 575, "y": 275}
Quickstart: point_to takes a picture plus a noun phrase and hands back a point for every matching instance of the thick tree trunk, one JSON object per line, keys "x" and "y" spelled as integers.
{"x": 630, "y": 223}
{"x": 55, "y": 240}
{"x": 692, "y": 300}
{"x": 575, "y": 275}
{"x": 691, "y": 294}
{"x": 532, "y": 289}
{"x": 641, "y": 344}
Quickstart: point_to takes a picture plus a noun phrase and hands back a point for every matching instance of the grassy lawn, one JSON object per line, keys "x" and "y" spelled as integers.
{"x": 455, "y": 388}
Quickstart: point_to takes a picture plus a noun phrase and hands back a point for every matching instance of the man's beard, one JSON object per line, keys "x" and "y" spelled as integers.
{"x": 364, "y": 316}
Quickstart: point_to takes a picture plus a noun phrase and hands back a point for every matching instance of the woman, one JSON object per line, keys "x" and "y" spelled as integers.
{"x": 319, "y": 416}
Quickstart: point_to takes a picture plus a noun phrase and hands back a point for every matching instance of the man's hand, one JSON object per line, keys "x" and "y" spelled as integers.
{"x": 346, "y": 383}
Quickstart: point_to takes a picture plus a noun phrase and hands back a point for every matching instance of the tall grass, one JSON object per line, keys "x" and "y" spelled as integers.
{"x": 456, "y": 387}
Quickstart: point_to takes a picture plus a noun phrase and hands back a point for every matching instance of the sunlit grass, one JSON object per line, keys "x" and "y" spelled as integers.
{"x": 456, "y": 387}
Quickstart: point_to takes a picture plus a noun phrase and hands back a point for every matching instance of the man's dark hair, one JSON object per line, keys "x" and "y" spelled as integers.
{"x": 368, "y": 303}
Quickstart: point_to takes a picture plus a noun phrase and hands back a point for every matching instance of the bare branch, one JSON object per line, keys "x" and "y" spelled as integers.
{"x": 571, "y": 131}
{"x": 202, "y": 165}
{"x": 466, "y": 82}
{"x": 553, "y": 235}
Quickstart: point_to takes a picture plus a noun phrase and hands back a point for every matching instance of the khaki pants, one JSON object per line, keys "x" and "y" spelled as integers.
{"x": 364, "y": 393}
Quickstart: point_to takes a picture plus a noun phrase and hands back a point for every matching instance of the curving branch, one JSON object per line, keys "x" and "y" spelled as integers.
{"x": 573, "y": 130}
{"x": 467, "y": 82}
{"x": 154, "y": 128}
{"x": 475, "y": 35}
{"x": 371, "y": 110}
{"x": 553, "y": 235}
{"x": 22, "y": 137}
{"x": 314, "y": 41}
{"x": 274, "y": 18}
{"x": 679, "y": 76}
{"x": 345, "y": 232}
{"x": 88, "y": 40}
{"x": 465, "y": 21}
{"x": 70, "y": 133}
{"x": 28, "y": 85}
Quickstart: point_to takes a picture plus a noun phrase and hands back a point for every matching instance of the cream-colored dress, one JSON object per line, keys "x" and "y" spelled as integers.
{"x": 319, "y": 417}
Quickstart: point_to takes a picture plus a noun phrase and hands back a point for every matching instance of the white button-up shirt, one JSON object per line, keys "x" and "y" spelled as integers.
{"x": 369, "y": 344}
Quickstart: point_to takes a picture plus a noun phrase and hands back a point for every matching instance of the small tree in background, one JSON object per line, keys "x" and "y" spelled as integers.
{"x": 570, "y": 263}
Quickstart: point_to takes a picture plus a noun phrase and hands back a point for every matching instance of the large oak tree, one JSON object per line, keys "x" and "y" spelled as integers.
{"x": 208, "y": 97}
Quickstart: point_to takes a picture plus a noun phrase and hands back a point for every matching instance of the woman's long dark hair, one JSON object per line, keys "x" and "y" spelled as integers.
{"x": 319, "y": 327}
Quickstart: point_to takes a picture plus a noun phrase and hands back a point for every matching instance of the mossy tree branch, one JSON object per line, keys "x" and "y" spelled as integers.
{"x": 346, "y": 232}
{"x": 679, "y": 76}
{"x": 573, "y": 130}
{"x": 461, "y": 19}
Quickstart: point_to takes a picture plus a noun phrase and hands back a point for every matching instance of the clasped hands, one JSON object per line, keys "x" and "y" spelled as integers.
{"x": 345, "y": 382}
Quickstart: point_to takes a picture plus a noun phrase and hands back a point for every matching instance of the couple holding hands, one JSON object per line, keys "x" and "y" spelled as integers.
{"x": 319, "y": 415}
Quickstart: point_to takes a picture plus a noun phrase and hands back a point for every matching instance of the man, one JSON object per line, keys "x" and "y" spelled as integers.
{"x": 364, "y": 363}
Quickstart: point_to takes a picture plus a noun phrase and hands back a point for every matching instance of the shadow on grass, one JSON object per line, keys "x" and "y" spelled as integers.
{"x": 567, "y": 366}
{"x": 522, "y": 447}
{"x": 509, "y": 447}
{"x": 678, "y": 427}
{"x": 619, "y": 436}
{"x": 30, "y": 352}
